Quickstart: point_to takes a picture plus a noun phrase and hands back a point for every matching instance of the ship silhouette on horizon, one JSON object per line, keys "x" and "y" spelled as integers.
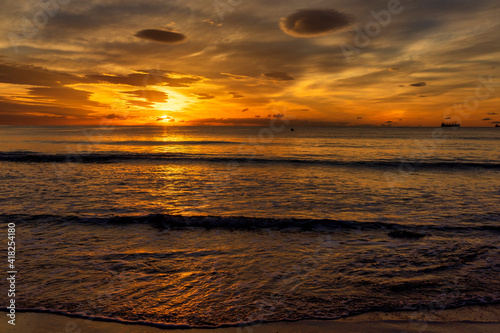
{"x": 454, "y": 124}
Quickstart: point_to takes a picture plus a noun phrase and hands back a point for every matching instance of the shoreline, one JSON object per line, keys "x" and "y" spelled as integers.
{"x": 473, "y": 318}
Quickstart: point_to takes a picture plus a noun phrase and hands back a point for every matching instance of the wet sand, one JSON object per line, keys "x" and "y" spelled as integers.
{"x": 468, "y": 319}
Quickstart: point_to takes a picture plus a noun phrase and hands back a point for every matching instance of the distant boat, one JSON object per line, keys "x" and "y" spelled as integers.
{"x": 450, "y": 125}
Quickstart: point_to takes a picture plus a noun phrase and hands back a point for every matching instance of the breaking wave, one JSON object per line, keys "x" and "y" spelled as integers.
{"x": 33, "y": 157}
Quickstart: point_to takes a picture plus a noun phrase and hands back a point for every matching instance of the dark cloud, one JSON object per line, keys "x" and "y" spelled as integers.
{"x": 150, "y": 95}
{"x": 114, "y": 116}
{"x": 492, "y": 113}
{"x": 15, "y": 109}
{"x": 236, "y": 95}
{"x": 36, "y": 76}
{"x": 162, "y": 36}
{"x": 314, "y": 22}
{"x": 145, "y": 79}
{"x": 418, "y": 84}
{"x": 204, "y": 96}
{"x": 167, "y": 118}
{"x": 63, "y": 95}
{"x": 486, "y": 119}
{"x": 245, "y": 110}
{"x": 278, "y": 76}
{"x": 359, "y": 118}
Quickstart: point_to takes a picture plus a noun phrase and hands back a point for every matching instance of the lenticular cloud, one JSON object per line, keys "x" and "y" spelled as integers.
{"x": 162, "y": 36}
{"x": 314, "y": 22}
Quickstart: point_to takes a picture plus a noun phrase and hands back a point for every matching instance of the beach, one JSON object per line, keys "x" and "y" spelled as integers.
{"x": 471, "y": 319}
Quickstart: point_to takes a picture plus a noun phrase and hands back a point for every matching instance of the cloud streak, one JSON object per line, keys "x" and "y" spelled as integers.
{"x": 278, "y": 76}
{"x": 148, "y": 94}
{"x": 145, "y": 79}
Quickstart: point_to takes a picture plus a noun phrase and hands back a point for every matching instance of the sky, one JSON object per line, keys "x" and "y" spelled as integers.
{"x": 244, "y": 62}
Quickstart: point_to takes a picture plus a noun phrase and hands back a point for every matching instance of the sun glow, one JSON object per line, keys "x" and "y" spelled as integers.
{"x": 166, "y": 119}
{"x": 176, "y": 101}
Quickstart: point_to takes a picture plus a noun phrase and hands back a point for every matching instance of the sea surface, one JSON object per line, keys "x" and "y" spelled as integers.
{"x": 210, "y": 226}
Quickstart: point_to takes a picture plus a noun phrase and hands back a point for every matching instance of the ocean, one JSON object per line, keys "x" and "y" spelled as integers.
{"x": 210, "y": 226}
